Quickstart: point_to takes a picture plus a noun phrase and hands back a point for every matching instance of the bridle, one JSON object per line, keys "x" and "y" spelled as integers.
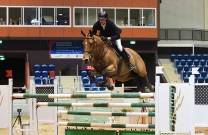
{"x": 94, "y": 41}
{"x": 91, "y": 52}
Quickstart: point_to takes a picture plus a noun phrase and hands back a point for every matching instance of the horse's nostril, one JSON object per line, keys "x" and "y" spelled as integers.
{"x": 86, "y": 61}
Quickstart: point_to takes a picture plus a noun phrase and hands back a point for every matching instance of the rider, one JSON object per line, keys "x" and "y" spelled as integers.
{"x": 109, "y": 31}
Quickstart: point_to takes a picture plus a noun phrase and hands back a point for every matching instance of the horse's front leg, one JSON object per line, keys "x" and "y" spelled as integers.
{"x": 109, "y": 71}
{"x": 92, "y": 74}
{"x": 105, "y": 83}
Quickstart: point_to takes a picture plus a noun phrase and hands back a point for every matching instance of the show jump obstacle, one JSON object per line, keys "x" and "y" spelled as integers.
{"x": 174, "y": 108}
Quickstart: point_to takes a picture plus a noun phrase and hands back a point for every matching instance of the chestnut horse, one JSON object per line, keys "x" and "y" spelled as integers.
{"x": 106, "y": 63}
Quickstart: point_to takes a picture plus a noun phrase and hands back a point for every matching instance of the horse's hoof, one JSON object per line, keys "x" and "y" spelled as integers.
{"x": 152, "y": 88}
{"x": 110, "y": 87}
{"x": 141, "y": 89}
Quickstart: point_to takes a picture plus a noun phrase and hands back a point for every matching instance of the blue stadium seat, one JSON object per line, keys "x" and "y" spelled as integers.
{"x": 51, "y": 67}
{"x": 189, "y": 73}
{"x": 183, "y": 62}
{"x": 51, "y": 80}
{"x": 189, "y": 62}
{"x": 36, "y": 67}
{"x": 202, "y": 62}
{"x": 192, "y": 56}
{"x": 86, "y": 86}
{"x": 206, "y": 79}
{"x": 93, "y": 85}
{"x": 84, "y": 73}
{"x": 203, "y": 73}
{"x": 197, "y": 75}
{"x": 44, "y": 74}
{"x": 85, "y": 80}
{"x": 196, "y": 62}
{"x": 177, "y": 62}
{"x": 37, "y": 80}
{"x": 37, "y": 74}
{"x": 100, "y": 79}
{"x": 198, "y": 56}
{"x": 191, "y": 66}
{"x": 94, "y": 88}
{"x": 183, "y": 74}
{"x": 179, "y": 68}
{"x": 179, "y": 56}
{"x": 185, "y": 56}
{"x": 204, "y": 56}
{"x": 200, "y": 67}
{"x": 206, "y": 68}
{"x": 172, "y": 57}
{"x": 200, "y": 79}
{"x": 186, "y": 79}
{"x": 102, "y": 89}
{"x": 186, "y": 68}
{"x": 44, "y": 67}
{"x": 45, "y": 80}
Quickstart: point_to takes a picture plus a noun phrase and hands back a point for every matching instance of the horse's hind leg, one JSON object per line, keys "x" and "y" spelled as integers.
{"x": 142, "y": 82}
{"x": 148, "y": 84}
{"x": 139, "y": 82}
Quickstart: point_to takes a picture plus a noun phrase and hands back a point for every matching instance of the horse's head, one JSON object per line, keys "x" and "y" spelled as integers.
{"x": 88, "y": 46}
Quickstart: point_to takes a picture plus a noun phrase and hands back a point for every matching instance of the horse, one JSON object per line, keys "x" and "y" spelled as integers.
{"x": 107, "y": 63}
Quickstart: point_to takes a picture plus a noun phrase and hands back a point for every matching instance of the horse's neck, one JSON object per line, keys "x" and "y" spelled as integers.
{"x": 99, "y": 49}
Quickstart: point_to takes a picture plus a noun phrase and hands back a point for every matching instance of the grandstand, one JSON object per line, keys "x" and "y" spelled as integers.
{"x": 184, "y": 64}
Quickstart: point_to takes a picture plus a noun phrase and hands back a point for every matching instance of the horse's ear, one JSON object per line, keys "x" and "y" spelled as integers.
{"x": 83, "y": 33}
{"x": 90, "y": 33}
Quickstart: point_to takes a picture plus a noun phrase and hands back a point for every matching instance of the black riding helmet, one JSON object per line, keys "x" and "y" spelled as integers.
{"x": 102, "y": 15}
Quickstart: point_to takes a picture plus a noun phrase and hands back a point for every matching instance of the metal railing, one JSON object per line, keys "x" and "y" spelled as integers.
{"x": 183, "y": 34}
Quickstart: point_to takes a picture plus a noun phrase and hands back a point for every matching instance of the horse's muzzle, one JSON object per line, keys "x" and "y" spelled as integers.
{"x": 86, "y": 61}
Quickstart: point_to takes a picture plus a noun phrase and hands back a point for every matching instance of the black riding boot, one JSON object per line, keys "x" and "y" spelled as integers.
{"x": 126, "y": 59}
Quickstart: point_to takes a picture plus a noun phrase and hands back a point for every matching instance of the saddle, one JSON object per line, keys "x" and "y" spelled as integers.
{"x": 115, "y": 48}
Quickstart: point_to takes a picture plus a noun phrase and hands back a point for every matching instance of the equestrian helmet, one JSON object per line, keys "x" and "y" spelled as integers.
{"x": 102, "y": 15}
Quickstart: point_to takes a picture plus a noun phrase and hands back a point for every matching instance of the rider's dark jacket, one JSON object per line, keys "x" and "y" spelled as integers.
{"x": 111, "y": 30}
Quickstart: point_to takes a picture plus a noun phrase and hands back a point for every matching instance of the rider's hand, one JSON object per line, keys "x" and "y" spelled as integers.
{"x": 104, "y": 38}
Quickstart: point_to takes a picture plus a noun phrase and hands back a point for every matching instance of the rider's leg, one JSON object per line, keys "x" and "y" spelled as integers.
{"x": 124, "y": 53}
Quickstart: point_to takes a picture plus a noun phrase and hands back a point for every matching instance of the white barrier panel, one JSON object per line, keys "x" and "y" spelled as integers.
{"x": 201, "y": 117}
{"x": 6, "y": 109}
{"x": 175, "y": 107}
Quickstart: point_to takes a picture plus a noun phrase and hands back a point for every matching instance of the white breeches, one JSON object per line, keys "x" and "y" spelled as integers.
{"x": 118, "y": 43}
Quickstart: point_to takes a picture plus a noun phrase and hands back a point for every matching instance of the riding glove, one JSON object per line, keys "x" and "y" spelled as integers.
{"x": 104, "y": 38}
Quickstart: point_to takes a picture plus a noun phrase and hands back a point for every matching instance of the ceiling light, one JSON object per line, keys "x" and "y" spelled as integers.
{"x": 60, "y": 14}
